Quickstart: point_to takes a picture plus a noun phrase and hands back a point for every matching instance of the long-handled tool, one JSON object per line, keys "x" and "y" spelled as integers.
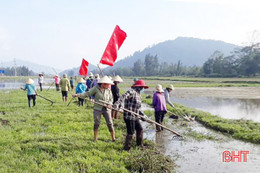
{"x": 139, "y": 116}
{"x": 46, "y": 99}
{"x": 183, "y": 116}
{"x": 71, "y": 99}
{"x": 50, "y": 86}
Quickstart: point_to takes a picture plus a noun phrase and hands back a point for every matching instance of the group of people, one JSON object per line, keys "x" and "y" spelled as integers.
{"x": 107, "y": 98}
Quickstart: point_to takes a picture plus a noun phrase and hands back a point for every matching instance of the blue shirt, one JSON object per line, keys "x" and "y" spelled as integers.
{"x": 80, "y": 88}
{"x": 30, "y": 88}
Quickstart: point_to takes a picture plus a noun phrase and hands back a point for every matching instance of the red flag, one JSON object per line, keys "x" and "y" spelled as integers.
{"x": 83, "y": 68}
{"x": 115, "y": 42}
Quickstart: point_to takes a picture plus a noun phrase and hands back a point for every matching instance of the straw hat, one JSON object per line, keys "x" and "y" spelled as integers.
{"x": 105, "y": 80}
{"x": 159, "y": 88}
{"x": 57, "y": 75}
{"x": 170, "y": 87}
{"x": 117, "y": 78}
{"x": 91, "y": 74}
{"x": 29, "y": 81}
{"x": 81, "y": 80}
{"x": 140, "y": 83}
{"x": 97, "y": 76}
{"x": 64, "y": 75}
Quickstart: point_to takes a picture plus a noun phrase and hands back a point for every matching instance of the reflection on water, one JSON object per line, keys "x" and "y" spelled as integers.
{"x": 226, "y": 108}
{"x": 16, "y": 84}
{"x": 231, "y": 108}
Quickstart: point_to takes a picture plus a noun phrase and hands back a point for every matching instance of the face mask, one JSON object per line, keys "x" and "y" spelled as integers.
{"x": 142, "y": 90}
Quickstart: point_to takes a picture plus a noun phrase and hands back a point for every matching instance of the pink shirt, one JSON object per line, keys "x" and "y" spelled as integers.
{"x": 57, "y": 79}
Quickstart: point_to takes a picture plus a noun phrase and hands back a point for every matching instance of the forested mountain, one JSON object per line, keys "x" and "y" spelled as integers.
{"x": 190, "y": 51}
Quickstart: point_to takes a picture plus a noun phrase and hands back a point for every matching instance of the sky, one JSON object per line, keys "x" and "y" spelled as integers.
{"x": 59, "y": 33}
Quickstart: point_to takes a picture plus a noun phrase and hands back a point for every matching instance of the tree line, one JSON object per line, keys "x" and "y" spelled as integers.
{"x": 18, "y": 71}
{"x": 243, "y": 61}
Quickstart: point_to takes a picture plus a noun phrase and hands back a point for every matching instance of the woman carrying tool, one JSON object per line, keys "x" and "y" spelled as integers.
{"x": 80, "y": 89}
{"x": 101, "y": 93}
{"x": 132, "y": 101}
{"x": 31, "y": 91}
{"x": 65, "y": 87}
{"x": 57, "y": 82}
{"x": 167, "y": 91}
{"x": 115, "y": 91}
{"x": 159, "y": 105}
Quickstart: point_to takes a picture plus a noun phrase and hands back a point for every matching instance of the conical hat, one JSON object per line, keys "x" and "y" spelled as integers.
{"x": 159, "y": 88}
{"x": 117, "y": 78}
{"x": 81, "y": 80}
{"x": 105, "y": 80}
{"x": 170, "y": 87}
{"x": 29, "y": 81}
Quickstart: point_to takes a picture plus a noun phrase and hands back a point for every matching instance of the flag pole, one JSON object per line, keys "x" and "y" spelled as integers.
{"x": 100, "y": 70}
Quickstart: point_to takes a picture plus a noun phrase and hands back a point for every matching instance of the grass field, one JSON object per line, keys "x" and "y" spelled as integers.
{"x": 59, "y": 138}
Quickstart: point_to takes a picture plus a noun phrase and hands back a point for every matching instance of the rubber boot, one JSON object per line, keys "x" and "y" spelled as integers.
{"x": 161, "y": 127}
{"x": 95, "y": 135}
{"x": 128, "y": 140}
{"x": 139, "y": 138}
{"x": 158, "y": 128}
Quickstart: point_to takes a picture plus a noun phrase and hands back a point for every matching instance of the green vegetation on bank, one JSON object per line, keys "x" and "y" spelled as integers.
{"x": 240, "y": 129}
{"x": 200, "y": 82}
{"x": 59, "y": 138}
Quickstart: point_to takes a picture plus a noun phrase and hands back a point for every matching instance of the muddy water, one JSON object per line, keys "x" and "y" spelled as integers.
{"x": 193, "y": 155}
{"x": 231, "y": 103}
{"x": 16, "y": 84}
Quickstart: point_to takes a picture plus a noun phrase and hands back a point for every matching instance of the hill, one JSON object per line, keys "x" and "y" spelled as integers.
{"x": 37, "y": 68}
{"x": 190, "y": 51}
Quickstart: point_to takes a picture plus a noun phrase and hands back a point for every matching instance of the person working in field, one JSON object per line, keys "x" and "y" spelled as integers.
{"x": 159, "y": 104}
{"x": 65, "y": 87}
{"x": 31, "y": 92}
{"x": 57, "y": 82}
{"x": 40, "y": 81}
{"x": 132, "y": 100}
{"x": 71, "y": 83}
{"x": 167, "y": 91}
{"x": 115, "y": 91}
{"x": 101, "y": 93}
{"x": 81, "y": 88}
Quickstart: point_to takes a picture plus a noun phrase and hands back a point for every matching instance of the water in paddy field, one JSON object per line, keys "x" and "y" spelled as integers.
{"x": 199, "y": 156}
{"x": 231, "y": 103}
{"x": 9, "y": 84}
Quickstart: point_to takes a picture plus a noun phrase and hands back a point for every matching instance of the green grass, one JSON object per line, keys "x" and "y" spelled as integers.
{"x": 196, "y": 82}
{"x": 246, "y": 130}
{"x": 59, "y": 138}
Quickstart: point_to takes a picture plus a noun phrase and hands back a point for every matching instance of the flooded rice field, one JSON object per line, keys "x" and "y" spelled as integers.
{"x": 231, "y": 102}
{"x": 204, "y": 154}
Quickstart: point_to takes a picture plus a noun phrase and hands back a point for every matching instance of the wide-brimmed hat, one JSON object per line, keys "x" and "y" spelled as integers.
{"x": 170, "y": 87}
{"x": 159, "y": 88}
{"x": 40, "y": 74}
{"x": 64, "y": 75}
{"x": 29, "y": 81}
{"x": 105, "y": 80}
{"x": 57, "y": 75}
{"x": 117, "y": 78}
{"x": 91, "y": 74}
{"x": 81, "y": 80}
{"x": 97, "y": 76}
{"x": 140, "y": 83}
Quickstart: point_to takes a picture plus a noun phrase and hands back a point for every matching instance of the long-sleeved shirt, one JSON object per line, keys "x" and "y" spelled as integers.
{"x": 57, "y": 79}
{"x": 80, "y": 88}
{"x": 167, "y": 97}
{"x": 132, "y": 101}
{"x": 30, "y": 89}
{"x": 115, "y": 92}
{"x": 65, "y": 84}
{"x": 104, "y": 95}
{"x": 40, "y": 79}
{"x": 159, "y": 102}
